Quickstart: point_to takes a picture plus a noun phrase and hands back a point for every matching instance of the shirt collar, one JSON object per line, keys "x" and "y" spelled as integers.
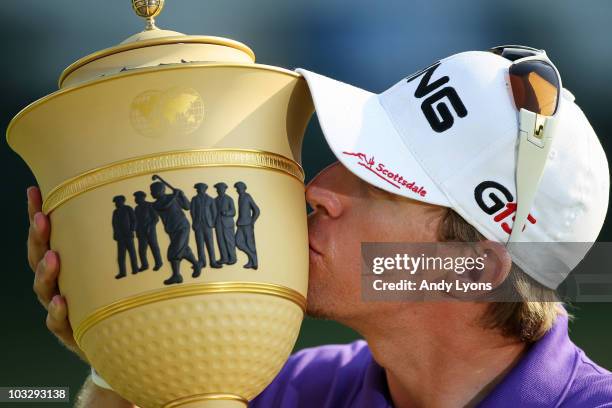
{"x": 542, "y": 376}
{"x": 375, "y": 389}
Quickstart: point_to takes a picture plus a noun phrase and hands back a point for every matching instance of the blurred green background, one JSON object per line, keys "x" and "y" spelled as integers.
{"x": 365, "y": 43}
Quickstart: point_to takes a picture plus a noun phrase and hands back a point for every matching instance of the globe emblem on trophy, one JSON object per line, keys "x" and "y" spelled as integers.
{"x": 177, "y": 111}
{"x": 148, "y": 8}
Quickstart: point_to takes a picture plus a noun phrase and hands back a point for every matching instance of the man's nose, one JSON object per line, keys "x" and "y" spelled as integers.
{"x": 322, "y": 194}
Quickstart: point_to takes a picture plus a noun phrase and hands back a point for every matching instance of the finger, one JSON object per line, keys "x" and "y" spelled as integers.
{"x": 38, "y": 238}
{"x": 57, "y": 318}
{"x": 58, "y": 323}
{"x": 34, "y": 201}
{"x": 45, "y": 279}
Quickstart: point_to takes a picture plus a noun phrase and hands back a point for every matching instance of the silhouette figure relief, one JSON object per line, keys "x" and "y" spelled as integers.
{"x": 124, "y": 225}
{"x": 224, "y": 225}
{"x": 146, "y": 231}
{"x": 170, "y": 209}
{"x": 248, "y": 212}
{"x": 207, "y": 214}
{"x": 203, "y": 216}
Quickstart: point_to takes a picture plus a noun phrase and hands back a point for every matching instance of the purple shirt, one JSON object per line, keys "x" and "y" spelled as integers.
{"x": 553, "y": 373}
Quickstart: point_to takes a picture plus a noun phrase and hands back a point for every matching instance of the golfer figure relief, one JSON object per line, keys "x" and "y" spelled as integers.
{"x": 248, "y": 212}
{"x": 212, "y": 218}
{"x": 146, "y": 231}
{"x": 203, "y": 216}
{"x": 170, "y": 208}
{"x": 124, "y": 225}
{"x": 224, "y": 225}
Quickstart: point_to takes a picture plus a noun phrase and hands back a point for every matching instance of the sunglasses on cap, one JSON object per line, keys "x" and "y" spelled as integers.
{"x": 536, "y": 88}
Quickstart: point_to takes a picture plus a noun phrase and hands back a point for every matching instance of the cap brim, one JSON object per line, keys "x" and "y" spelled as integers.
{"x": 363, "y": 138}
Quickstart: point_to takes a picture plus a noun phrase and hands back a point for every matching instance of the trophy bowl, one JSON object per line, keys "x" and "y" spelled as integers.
{"x": 170, "y": 168}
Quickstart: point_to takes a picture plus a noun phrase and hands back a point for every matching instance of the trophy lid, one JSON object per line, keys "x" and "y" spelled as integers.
{"x": 154, "y": 47}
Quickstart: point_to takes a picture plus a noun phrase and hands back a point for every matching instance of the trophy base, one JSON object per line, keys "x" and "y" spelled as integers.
{"x": 214, "y": 404}
{"x": 209, "y": 401}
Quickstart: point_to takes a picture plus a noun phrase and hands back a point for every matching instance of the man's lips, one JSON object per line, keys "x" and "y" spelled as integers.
{"x": 313, "y": 248}
{"x": 313, "y": 245}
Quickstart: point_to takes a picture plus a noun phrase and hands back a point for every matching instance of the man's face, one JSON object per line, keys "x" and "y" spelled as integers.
{"x": 347, "y": 212}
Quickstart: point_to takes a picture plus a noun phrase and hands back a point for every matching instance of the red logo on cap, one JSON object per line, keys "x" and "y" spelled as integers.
{"x": 497, "y": 203}
{"x": 508, "y": 211}
{"x": 391, "y": 177}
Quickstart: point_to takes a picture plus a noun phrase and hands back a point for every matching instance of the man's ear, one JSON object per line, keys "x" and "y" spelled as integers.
{"x": 496, "y": 265}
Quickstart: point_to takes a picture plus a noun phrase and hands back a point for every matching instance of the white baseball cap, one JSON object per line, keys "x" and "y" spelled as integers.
{"x": 448, "y": 135}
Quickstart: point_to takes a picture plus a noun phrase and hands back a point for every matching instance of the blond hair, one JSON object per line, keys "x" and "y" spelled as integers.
{"x": 524, "y": 318}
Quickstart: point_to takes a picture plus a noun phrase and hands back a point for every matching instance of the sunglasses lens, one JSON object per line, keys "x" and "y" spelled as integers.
{"x": 513, "y": 53}
{"x": 535, "y": 87}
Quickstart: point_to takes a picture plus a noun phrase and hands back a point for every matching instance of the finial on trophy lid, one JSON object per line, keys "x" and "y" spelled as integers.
{"x": 148, "y": 9}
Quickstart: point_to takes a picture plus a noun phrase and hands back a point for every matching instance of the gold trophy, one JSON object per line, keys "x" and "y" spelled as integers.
{"x": 170, "y": 168}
